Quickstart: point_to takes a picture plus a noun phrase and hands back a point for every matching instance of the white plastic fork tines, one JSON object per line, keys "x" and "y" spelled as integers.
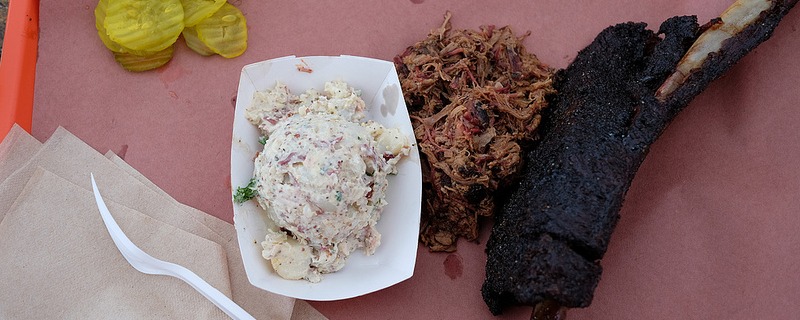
{"x": 149, "y": 265}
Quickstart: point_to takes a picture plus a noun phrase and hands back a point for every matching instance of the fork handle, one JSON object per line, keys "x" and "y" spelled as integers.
{"x": 138, "y": 259}
{"x": 227, "y": 305}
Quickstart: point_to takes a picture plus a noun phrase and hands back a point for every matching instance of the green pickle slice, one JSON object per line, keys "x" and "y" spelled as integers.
{"x": 99, "y": 18}
{"x": 139, "y": 63}
{"x": 196, "y": 10}
{"x": 141, "y": 33}
{"x": 224, "y": 32}
{"x": 194, "y": 43}
{"x": 144, "y": 25}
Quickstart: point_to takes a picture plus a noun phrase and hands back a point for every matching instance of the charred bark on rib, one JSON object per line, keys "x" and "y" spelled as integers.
{"x": 547, "y": 242}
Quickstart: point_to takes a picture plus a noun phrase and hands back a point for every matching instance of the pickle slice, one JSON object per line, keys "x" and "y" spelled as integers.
{"x": 225, "y": 31}
{"x": 196, "y": 10}
{"x": 144, "y": 25}
{"x": 139, "y": 63}
{"x": 194, "y": 43}
{"x": 99, "y": 17}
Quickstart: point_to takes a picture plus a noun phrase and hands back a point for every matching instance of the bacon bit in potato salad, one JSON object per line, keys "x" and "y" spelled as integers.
{"x": 303, "y": 67}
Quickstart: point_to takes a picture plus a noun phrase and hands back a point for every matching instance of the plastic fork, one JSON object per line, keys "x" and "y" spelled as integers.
{"x": 146, "y": 263}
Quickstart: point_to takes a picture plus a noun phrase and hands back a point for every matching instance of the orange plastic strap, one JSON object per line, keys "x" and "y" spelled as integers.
{"x": 18, "y": 65}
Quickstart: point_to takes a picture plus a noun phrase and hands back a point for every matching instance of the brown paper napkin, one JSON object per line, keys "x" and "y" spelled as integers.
{"x": 68, "y": 157}
{"x": 58, "y": 261}
{"x": 15, "y": 150}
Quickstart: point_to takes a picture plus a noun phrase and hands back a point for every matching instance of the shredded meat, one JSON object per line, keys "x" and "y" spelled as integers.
{"x": 474, "y": 99}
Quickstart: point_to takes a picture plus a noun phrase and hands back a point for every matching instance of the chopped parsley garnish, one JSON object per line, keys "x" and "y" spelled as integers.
{"x": 245, "y": 193}
{"x": 262, "y": 140}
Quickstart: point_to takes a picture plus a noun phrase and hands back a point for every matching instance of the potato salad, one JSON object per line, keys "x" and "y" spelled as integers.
{"x": 322, "y": 176}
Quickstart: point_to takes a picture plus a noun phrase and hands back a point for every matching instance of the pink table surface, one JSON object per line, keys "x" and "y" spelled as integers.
{"x": 708, "y": 229}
